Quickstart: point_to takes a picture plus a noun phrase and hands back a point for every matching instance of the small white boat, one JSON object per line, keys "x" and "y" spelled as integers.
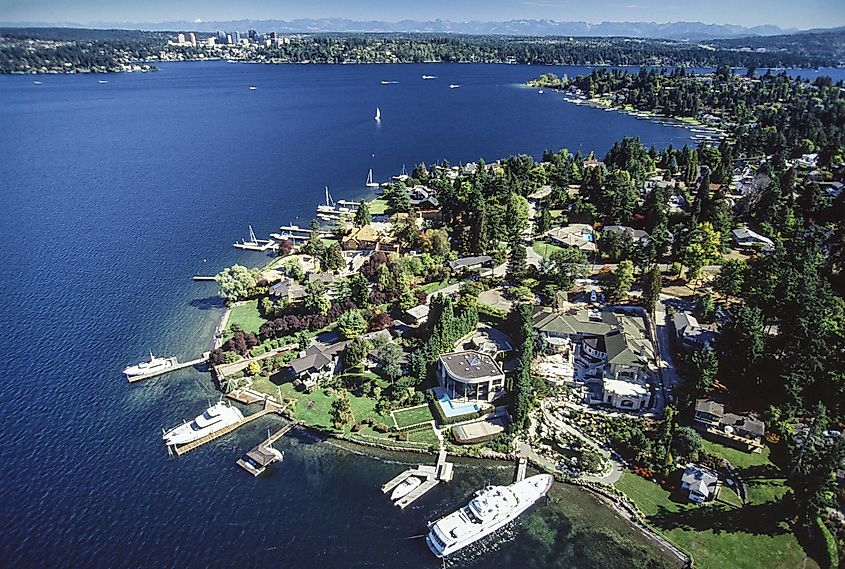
{"x": 252, "y": 87}
{"x": 429, "y": 77}
{"x": 102, "y": 81}
{"x": 389, "y": 82}
{"x": 370, "y": 183}
{"x": 405, "y": 488}
{"x": 378, "y": 115}
{"x": 540, "y": 92}
{"x": 153, "y": 365}
{"x": 454, "y": 85}
{"x": 37, "y": 82}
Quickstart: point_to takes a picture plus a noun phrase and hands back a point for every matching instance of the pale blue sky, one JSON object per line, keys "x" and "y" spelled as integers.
{"x": 784, "y": 13}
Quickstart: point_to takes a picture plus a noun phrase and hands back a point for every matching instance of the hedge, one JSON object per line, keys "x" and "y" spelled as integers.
{"x": 832, "y": 559}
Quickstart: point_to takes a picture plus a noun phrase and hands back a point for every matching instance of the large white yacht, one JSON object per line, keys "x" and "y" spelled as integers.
{"x": 153, "y": 365}
{"x": 215, "y": 418}
{"x": 490, "y": 509}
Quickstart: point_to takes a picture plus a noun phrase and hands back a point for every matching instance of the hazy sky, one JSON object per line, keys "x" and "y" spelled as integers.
{"x": 784, "y": 13}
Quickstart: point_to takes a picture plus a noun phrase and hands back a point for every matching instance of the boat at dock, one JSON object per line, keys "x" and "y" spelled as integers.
{"x": 405, "y": 488}
{"x": 215, "y": 418}
{"x": 152, "y": 365}
{"x": 370, "y": 183}
{"x": 489, "y": 510}
{"x": 255, "y": 244}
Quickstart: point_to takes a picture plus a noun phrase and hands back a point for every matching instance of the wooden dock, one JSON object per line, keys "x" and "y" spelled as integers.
{"x": 431, "y": 476}
{"x": 182, "y": 449}
{"x": 178, "y": 366}
{"x": 262, "y": 455}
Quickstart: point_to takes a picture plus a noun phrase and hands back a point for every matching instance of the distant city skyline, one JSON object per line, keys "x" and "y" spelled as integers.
{"x": 783, "y": 13}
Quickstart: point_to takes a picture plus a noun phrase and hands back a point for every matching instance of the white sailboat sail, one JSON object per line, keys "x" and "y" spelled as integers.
{"x": 370, "y": 183}
{"x": 378, "y": 114}
{"x": 329, "y": 200}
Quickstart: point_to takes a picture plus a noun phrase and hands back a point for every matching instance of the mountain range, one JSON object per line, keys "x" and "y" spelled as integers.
{"x": 689, "y": 31}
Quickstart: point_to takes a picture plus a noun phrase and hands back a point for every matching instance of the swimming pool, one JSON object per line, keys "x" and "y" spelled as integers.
{"x": 448, "y": 406}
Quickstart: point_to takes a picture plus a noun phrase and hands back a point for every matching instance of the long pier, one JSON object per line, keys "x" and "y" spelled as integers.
{"x": 187, "y": 447}
{"x": 175, "y": 367}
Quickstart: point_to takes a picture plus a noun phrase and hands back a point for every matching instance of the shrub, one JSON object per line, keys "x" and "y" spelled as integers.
{"x": 380, "y": 428}
{"x": 832, "y": 553}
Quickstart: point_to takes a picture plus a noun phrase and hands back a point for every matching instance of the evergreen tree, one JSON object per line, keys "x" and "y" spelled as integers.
{"x": 517, "y": 261}
{"x": 362, "y": 215}
{"x": 341, "y": 412}
{"x": 652, "y": 283}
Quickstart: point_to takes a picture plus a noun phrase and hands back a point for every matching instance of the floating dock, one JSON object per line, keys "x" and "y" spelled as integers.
{"x": 254, "y": 243}
{"x": 175, "y": 367}
{"x": 430, "y": 475}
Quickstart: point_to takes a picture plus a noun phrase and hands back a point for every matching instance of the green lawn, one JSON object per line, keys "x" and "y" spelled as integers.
{"x": 432, "y": 287}
{"x": 379, "y": 206}
{"x": 246, "y": 316}
{"x": 412, "y": 416}
{"x": 427, "y": 436}
{"x": 544, "y": 249}
{"x": 717, "y": 535}
{"x": 314, "y": 409}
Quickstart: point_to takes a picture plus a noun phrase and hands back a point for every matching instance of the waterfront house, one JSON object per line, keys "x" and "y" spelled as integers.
{"x": 702, "y": 484}
{"x": 288, "y": 290}
{"x": 748, "y": 239}
{"x": 741, "y": 431}
{"x": 470, "y": 376}
{"x": 317, "y": 363}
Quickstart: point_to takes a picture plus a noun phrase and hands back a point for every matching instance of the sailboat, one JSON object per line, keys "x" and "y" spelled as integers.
{"x": 378, "y": 114}
{"x": 403, "y": 176}
{"x": 370, "y": 183}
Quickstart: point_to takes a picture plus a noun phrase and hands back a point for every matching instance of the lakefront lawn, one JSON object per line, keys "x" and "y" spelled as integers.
{"x": 718, "y": 535}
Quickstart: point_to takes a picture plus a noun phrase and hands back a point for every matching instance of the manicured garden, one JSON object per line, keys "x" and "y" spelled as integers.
{"x": 379, "y": 206}
{"x": 412, "y": 416}
{"x": 719, "y": 535}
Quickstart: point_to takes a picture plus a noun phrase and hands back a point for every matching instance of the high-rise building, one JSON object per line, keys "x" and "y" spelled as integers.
{"x": 180, "y": 39}
{"x": 211, "y": 42}
{"x": 253, "y": 35}
{"x": 273, "y": 35}
{"x": 236, "y": 37}
{"x": 192, "y": 38}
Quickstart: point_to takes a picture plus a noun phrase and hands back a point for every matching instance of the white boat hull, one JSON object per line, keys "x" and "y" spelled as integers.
{"x": 526, "y": 493}
{"x": 217, "y": 417}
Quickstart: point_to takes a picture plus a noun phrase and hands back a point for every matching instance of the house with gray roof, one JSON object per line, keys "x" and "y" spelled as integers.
{"x": 636, "y": 234}
{"x": 470, "y": 376}
{"x": 317, "y": 363}
{"x": 288, "y": 290}
{"x": 465, "y": 264}
{"x": 690, "y": 334}
{"x": 747, "y": 239}
{"x": 743, "y": 431}
{"x": 702, "y": 484}
{"x": 618, "y": 345}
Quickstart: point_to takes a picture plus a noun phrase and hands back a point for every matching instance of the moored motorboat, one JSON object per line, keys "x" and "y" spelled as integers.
{"x": 152, "y": 365}
{"x": 489, "y": 510}
{"x": 405, "y": 488}
{"x": 214, "y": 418}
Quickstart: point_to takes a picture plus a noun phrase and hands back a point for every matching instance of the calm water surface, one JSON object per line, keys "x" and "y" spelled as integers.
{"x": 113, "y": 196}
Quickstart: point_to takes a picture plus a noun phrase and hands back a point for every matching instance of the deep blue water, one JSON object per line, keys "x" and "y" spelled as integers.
{"x": 113, "y": 196}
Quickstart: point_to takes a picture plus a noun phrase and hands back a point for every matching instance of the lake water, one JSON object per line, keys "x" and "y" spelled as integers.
{"x": 114, "y": 195}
